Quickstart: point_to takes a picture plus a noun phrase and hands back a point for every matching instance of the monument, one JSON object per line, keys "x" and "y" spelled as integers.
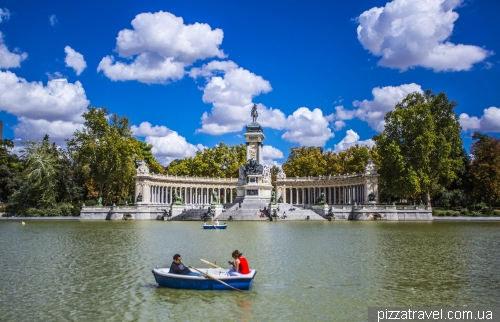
{"x": 254, "y": 182}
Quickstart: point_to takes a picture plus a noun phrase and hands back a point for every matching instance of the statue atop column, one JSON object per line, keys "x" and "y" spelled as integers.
{"x": 254, "y": 113}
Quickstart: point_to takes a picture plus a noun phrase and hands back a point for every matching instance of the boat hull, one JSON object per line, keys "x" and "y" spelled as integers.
{"x": 213, "y": 227}
{"x": 188, "y": 282}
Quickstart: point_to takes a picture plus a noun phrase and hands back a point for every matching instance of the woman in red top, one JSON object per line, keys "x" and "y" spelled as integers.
{"x": 240, "y": 265}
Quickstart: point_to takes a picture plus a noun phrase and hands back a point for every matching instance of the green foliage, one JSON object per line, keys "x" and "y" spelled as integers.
{"x": 10, "y": 170}
{"x": 313, "y": 161}
{"x": 104, "y": 152}
{"x": 304, "y": 162}
{"x": 57, "y": 210}
{"x": 39, "y": 188}
{"x": 221, "y": 161}
{"x": 485, "y": 168}
{"x": 420, "y": 149}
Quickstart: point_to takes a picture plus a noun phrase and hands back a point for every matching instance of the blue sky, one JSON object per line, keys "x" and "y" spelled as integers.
{"x": 186, "y": 73}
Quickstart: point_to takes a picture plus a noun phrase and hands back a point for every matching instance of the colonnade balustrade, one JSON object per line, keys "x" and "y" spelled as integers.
{"x": 332, "y": 195}
{"x": 159, "y": 189}
{"x": 159, "y": 194}
{"x": 338, "y": 189}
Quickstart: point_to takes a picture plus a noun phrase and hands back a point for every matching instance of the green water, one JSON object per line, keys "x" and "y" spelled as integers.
{"x": 324, "y": 271}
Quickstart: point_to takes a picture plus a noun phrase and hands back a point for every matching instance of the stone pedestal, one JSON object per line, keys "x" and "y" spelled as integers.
{"x": 321, "y": 210}
{"x": 176, "y": 210}
{"x": 217, "y": 208}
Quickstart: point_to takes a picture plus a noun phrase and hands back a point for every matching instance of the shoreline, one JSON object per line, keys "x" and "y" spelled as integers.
{"x": 465, "y": 218}
{"x": 462, "y": 218}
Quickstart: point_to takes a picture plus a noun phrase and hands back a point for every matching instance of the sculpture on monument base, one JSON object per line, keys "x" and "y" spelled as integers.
{"x": 141, "y": 167}
{"x": 139, "y": 197}
{"x": 209, "y": 214}
{"x": 253, "y": 167}
{"x": 273, "y": 197}
{"x": 321, "y": 199}
{"x": 280, "y": 199}
{"x": 372, "y": 197}
{"x": 330, "y": 214}
{"x": 215, "y": 198}
{"x": 99, "y": 202}
{"x": 177, "y": 200}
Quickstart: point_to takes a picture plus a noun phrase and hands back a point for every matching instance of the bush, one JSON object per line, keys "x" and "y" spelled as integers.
{"x": 452, "y": 213}
{"x": 90, "y": 203}
{"x": 58, "y": 210}
{"x": 437, "y": 212}
{"x": 475, "y": 214}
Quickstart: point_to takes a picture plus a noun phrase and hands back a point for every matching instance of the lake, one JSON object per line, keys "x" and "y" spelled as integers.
{"x": 325, "y": 271}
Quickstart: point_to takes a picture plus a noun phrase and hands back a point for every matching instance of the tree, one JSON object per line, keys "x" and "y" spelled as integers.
{"x": 10, "y": 170}
{"x": 486, "y": 167}
{"x": 420, "y": 147}
{"x": 221, "y": 161}
{"x": 312, "y": 161}
{"x": 104, "y": 152}
{"x": 305, "y": 161}
{"x": 459, "y": 192}
{"x": 39, "y": 188}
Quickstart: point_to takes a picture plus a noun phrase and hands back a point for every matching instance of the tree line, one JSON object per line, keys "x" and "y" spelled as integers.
{"x": 419, "y": 155}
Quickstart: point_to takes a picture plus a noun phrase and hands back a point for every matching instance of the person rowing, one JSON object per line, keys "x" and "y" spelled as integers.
{"x": 178, "y": 267}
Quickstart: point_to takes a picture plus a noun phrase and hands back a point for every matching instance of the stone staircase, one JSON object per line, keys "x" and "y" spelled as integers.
{"x": 233, "y": 212}
{"x": 297, "y": 214}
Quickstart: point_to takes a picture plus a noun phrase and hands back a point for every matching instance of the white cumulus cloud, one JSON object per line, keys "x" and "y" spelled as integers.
{"x": 74, "y": 60}
{"x": 308, "y": 128}
{"x": 489, "y": 122}
{"x": 161, "y": 46}
{"x": 409, "y": 33}
{"x": 146, "y": 129}
{"x": 9, "y": 59}
{"x": 167, "y": 144}
{"x": 58, "y": 100}
{"x": 29, "y": 129}
{"x": 53, "y": 20}
{"x": 54, "y": 109}
{"x": 231, "y": 89}
{"x": 4, "y": 14}
{"x": 351, "y": 139}
{"x": 270, "y": 153}
{"x": 373, "y": 112}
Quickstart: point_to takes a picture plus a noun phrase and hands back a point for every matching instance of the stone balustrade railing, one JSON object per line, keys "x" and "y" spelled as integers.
{"x": 184, "y": 179}
{"x": 329, "y": 177}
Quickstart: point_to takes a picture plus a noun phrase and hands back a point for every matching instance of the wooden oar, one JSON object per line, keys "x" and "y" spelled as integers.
{"x": 215, "y": 279}
{"x": 211, "y": 264}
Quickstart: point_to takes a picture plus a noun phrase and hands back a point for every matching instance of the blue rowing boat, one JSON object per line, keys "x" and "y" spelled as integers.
{"x": 189, "y": 282}
{"x": 214, "y": 226}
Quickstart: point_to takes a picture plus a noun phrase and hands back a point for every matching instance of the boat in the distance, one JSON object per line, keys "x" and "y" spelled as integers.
{"x": 189, "y": 282}
{"x": 208, "y": 226}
